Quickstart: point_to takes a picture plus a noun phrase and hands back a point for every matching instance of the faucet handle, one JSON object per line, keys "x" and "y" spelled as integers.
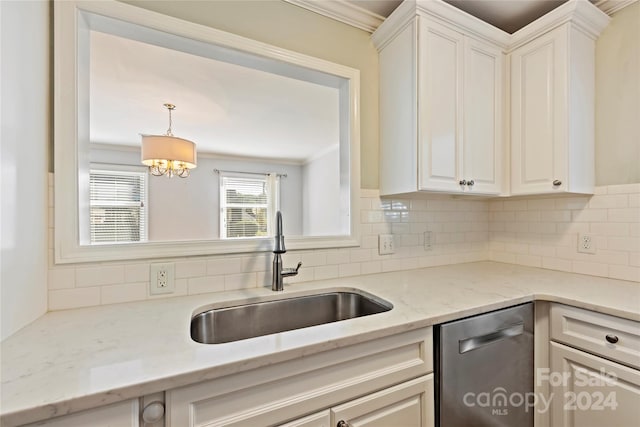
{"x": 286, "y": 272}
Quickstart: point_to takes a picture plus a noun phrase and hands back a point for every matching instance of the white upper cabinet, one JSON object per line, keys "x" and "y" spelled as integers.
{"x": 552, "y": 113}
{"x": 453, "y": 109}
{"x": 441, "y": 103}
{"x": 483, "y": 149}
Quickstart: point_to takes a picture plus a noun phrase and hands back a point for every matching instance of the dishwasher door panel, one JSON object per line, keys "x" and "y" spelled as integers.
{"x": 485, "y": 370}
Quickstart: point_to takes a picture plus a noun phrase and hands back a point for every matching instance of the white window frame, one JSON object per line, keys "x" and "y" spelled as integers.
{"x": 126, "y": 170}
{"x": 72, "y": 22}
{"x": 272, "y": 205}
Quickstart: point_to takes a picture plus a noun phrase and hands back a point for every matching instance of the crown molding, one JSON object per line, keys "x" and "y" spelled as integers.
{"x": 612, "y": 6}
{"x": 359, "y": 17}
{"x": 342, "y": 11}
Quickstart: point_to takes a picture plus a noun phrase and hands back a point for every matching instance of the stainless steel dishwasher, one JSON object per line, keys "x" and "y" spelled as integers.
{"x": 484, "y": 369}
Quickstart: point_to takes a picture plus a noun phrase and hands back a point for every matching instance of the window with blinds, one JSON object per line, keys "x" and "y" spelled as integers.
{"x": 117, "y": 206}
{"x": 246, "y": 207}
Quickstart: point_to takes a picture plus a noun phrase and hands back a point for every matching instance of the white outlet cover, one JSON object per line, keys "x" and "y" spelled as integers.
{"x": 586, "y": 243}
{"x": 154, "y": 276}
{"x": 385, "y": 244}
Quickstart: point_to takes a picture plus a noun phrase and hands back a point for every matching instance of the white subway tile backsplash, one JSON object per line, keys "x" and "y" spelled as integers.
{"x": 624, "y": 189}
{"x": 187, "y": 269}
{"x": 202, "y": 285}
{"x": 609, "y": 201}
{"x": 556, "y": 264}
{"x": 240, "y": 281}
{"x": 346, "y": 270}
{"x": 610, "y": 216}
{"x": 99, "y": 276}
{"x": 136, "y": 273}
{"x": 254, "y": 263}
{"x": 326, "y": 272}
{"x": 73, "y": 298}
{"x": 534, "y": 231}
{"x": 624, "y": 272}
{"x": 224, "y": 265}
{"x": 371, "y": 267}
{"x": 589, "y": 215}
{"x": 624, "y": 215}
{"x": 529, "y": 260}
{"x": 113, "y": 294}
{"x": 590, "y": 268}
{"x": 62, "y": 278}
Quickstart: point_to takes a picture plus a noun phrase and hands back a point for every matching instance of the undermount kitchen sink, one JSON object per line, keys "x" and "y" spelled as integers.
{"x": 238, "y": 322}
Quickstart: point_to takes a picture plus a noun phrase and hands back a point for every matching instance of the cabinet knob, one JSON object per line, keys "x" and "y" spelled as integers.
{"x": 153, "y": 412}
{"x": 557, "y": 183}
{"x": 470, "y": 183}
{"x": 343, "y": 423}
{"x": 612, "y": 338}
{"x": 463, "y": 182}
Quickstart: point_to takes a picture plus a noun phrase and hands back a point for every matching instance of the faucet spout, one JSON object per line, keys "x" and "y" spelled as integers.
{"x": 278, "y": 249}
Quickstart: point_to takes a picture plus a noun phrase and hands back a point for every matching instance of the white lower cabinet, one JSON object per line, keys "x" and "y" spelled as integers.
{"x": 121, "y": 414}
{"x": 589, "y": 391}
{"x": 594, "y": 375}
{"x": 406, "y": 405}
{"x": 382, "y": 382}
{"x": 409, "y": 404}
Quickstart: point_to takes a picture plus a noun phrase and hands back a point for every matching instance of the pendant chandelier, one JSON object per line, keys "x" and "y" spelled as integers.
{"x": 167, "y": 154}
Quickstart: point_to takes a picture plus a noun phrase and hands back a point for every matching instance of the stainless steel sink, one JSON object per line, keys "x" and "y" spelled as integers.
{"x": 226, "y": 324}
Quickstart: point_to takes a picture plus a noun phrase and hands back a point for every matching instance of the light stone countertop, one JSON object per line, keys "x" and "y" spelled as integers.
{"x": 72, "y": 360}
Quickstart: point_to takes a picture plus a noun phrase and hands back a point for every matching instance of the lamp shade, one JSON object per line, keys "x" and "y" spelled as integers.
{"x": 157, "y": 148}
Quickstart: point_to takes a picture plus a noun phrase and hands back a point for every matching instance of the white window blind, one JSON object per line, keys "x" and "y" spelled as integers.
{"x": 247, "y": 206}
{"x": 118, "y": 210}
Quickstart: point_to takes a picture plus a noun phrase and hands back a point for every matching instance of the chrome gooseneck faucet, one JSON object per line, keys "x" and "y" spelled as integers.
{"x": 278, "y": 250}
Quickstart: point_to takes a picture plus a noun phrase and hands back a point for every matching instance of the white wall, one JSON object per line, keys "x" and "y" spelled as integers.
{"x": 188, "y": 209}
{"x": 291, "y": 27}
{"x": 24, "y": 94}
{"x": 321, "y": 195}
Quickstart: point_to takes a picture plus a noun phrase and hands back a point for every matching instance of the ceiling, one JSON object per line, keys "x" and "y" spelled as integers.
{"x": 508, "y": 15}
{"x": 226, "y": 109}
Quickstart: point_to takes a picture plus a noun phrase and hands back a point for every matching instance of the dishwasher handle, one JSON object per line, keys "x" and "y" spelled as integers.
{"x": 473, "y": 343}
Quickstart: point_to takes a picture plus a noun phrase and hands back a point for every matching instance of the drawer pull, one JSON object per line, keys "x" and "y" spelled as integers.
{"x": 343, "y": 423}
{"x": 612, "y": 338}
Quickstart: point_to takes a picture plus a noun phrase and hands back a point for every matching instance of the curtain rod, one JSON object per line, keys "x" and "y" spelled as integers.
{"x": 281, "y": 175}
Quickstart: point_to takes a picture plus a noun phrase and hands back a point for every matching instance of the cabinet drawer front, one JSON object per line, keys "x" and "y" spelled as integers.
{"x": 276, "y": 394}
{"x": 408, "y": 405}
{"x": 593, "y": 332}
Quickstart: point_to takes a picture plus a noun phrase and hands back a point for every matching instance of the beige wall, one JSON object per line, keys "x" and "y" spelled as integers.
{"x": 618, "y": 99}
{"x": 291, "y": 27}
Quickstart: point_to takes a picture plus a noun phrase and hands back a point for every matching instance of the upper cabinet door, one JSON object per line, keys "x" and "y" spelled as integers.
{"x": 440, "y": 70}
{"x": 483, "y": 91}
{"x": 538, "y": 111}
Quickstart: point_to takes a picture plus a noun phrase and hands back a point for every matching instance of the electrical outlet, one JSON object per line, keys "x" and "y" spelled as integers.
{"x": 427, "y": 240}
{"x": 161, "y": 278}
{"x": 586, "y": 243}
{"x": 385, "y": 244}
